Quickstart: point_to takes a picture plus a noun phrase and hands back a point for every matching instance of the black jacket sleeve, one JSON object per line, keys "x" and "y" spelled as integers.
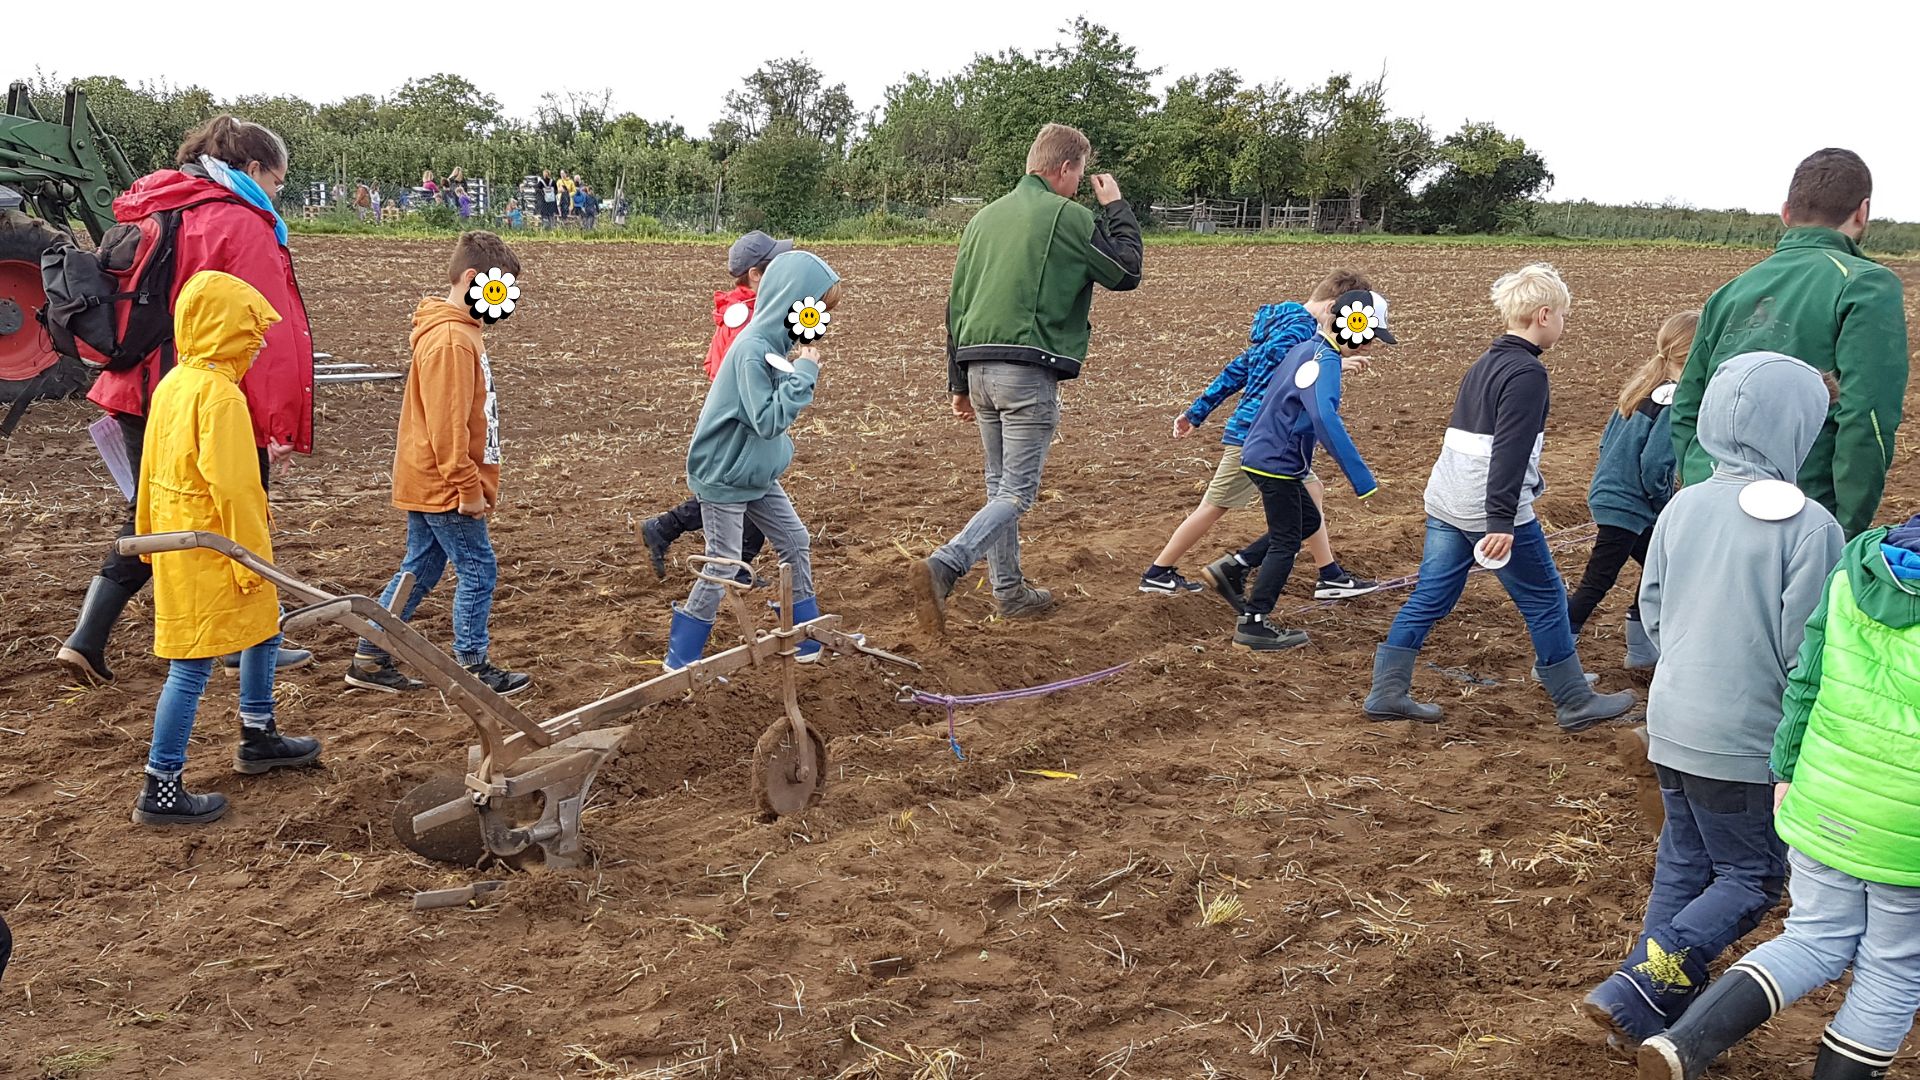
{"x": 1520, "y": 415}
{"x": 1116, "y": 234}
{"x": 956, "y": 375}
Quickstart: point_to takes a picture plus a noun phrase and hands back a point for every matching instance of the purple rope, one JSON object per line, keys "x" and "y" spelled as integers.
{"x": 954, "y": 702}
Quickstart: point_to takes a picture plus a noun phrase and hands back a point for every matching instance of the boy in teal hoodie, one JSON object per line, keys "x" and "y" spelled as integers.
{"x": 1846, "y": 766}
{"x": 740, "y": 446}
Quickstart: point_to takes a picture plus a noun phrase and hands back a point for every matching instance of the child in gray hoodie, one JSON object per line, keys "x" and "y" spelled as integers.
{"x": 1735, "y": 567}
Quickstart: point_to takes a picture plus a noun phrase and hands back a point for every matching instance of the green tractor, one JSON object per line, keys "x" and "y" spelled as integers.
{"x": 62, "y": 171}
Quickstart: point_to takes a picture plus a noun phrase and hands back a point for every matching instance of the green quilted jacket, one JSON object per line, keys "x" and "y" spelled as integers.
{"x": 1850, "y": 739}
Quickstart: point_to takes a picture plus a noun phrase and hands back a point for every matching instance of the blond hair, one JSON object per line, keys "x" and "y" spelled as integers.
{"x": 1669, "y": 359}
{"x": 1519, "y": 294}
{"x": 1057, "y": 145}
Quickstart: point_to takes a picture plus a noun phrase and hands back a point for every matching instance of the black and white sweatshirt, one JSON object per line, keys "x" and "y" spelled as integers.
{"x": 1488, "y": 474}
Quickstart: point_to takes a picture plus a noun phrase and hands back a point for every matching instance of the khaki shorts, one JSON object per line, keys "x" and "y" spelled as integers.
{"x": 1231, "y": 488}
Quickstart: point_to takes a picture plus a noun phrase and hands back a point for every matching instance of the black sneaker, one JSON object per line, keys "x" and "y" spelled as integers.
{"x": 1348, "y": 584}
{"x": 1253, "y": 632}
{"x": 1229, "y": 579}
{"x": 381, "y": 675}
{"x": 504, "y": 683}
{"x": 1169, "y": 584}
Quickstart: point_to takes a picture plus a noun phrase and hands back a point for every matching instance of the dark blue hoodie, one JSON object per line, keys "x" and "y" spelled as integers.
{"x": 1276, "y": 329}
{"x": 1302, "y": 406}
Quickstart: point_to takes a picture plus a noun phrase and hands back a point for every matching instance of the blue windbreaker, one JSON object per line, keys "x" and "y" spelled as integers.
{"x": 1276, "y": 328}
{"x": 1302, "y": 407}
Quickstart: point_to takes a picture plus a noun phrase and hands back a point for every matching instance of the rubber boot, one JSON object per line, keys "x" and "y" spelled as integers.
{"x": 1844, "y": 1059}
{"x": 1641, "y": 653}
{"x": 1392, "y": 695}
{"x": 1729, "y": 1011}
{"x": 653, "y": 533}
{"x": 166, "y": 801}
{"x": 687, "y": 639}
{"x": 809, "y": 650}
{"x": 263, "y": 749}
{"x": 1576, "y": 706}
{"x": 85, "y": 652}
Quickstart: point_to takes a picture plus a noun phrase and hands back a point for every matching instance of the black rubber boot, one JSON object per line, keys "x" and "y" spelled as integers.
{"x": 166, "y": 801}
{"x": 654, "y": 532}
{"x": 85, "y": 652}
{"x": 1727, "y": 1012}
{"x": 1391, "y": 697}
{"x": 1844, "y": 1059}
{"x": 265, "y": 749}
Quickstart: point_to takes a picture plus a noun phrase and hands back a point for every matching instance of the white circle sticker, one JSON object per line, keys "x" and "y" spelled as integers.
{"x": 736, "y": 316}
{"x": 1663, "y": 394}
{"x": 1771, "y": 500}
{"x": 1480, "y": 556}
{"x": 779, "y": 363}
{"x": 1307, "y": 374}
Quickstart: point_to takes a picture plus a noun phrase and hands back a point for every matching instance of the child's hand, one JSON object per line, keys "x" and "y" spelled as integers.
{"x": 1779, "y": 796}
{"x": 279, "y": 454}
{"x": 1353, "y": 365}
{"x": 808, "y": 352}
{"x": 1182, "y": 427}
{"x": 1497, "y": 546}
{"x": 963, "y": 407}
{"x": 479, "y": 507}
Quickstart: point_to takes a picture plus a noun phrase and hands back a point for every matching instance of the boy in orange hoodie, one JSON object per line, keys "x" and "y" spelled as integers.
{"x": 446, "y": 463}
{"x": 747, "y": 260}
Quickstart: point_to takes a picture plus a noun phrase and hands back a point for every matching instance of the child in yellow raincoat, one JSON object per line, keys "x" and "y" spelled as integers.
{"x": 199, "y": 471}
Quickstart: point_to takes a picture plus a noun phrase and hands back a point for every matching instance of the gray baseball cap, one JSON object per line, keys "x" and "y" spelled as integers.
{"x": 754, "y": 251}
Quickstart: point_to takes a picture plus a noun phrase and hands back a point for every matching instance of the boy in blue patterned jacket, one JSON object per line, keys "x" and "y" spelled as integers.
{"x": 1277, "y": 328}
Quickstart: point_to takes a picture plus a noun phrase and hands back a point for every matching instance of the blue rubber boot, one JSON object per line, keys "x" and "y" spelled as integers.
{"x": 686, "y": 639}
{"x": 811, "y": 651}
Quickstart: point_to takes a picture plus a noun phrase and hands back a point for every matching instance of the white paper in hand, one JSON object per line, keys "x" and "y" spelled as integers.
{"x": 1480, "y": 556}
{"x": 113, "y": 450}
{"x": 779, "y": 363}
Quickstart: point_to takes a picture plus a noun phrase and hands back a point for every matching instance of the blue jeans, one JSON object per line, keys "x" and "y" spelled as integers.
{"x": 1529, "y": 577}
{"x": 433, "y": 541}
{"x": 180, "y": 702}
{"x": 1017, "y": 407}
{"x": 1720, "y": 870}
{"x": 1838, "y": 920}
{"x": 723, "y": 524}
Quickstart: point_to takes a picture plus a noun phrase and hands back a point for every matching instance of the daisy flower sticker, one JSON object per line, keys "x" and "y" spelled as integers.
{"x": 493, "y": 295}
{"x": 1356, "y": 323}
{"x": 808, "y": 319}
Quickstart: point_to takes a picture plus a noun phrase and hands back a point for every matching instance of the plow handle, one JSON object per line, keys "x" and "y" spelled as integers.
{"x": 155, "y": 543}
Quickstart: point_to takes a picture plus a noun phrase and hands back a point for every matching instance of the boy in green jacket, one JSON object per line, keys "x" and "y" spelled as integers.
{"x": 1847, "y": 761}
{"x": 1817, "y": 299}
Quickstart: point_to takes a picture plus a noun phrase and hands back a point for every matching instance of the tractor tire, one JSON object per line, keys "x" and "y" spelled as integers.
{"x": 25, "y": 351}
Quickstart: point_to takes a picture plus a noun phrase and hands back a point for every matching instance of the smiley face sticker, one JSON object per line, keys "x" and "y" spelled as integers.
{"x": 808, "y": 319}
{"x": 494, "y": 295}
{"x": 1356, "y": 323}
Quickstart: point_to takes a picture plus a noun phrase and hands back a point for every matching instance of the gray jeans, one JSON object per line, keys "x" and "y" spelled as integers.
{"x": 1018, "y": 408}
{"x": 722, "y": 523}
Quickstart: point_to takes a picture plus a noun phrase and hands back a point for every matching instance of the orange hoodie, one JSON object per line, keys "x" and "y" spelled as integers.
{"x": 449, "y": 442}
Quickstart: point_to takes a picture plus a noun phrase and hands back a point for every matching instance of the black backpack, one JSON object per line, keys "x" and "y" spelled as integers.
{"x": 111, "y": 308}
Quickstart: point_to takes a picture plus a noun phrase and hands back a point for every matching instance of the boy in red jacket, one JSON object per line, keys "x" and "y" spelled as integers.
{"x": 747, "y": 260}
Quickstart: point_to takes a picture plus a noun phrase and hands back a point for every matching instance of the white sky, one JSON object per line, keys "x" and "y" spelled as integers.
{"x": 1707, "y": 102}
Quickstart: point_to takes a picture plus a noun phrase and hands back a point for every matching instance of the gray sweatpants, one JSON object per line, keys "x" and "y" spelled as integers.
{"x": 1017, "y": 407}
{"x": 722, "y": 523}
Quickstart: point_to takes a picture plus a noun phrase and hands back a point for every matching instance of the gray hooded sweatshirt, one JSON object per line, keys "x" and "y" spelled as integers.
{"x": 1726, "y": 596}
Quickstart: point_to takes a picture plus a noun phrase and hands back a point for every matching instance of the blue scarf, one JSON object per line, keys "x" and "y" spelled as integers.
{"x": 244, "y": 186}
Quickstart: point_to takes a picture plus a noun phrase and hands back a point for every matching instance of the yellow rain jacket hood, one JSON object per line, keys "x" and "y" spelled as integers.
{"x": 200, "y": 470}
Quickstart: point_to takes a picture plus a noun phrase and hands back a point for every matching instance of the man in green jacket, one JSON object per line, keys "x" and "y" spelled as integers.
{"x": 1847, "y": 761}
{"x": 1817, "y": 299}
{"x": 1017, "y": 325}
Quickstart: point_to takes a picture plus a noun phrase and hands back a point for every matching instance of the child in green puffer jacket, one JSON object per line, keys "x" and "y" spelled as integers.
{"x": 1847, "y": 761}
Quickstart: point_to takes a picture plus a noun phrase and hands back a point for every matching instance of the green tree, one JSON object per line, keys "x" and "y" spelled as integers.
{"x": 921, "y": 141}
{"x": 1485, "y": 176}
{"x": 1271, "y": 159}
{"x": 445, "y": 106}
{"x": 792, "y": 91}
{"x": 781, "y": 176}
{"x": 1198, "y": 136}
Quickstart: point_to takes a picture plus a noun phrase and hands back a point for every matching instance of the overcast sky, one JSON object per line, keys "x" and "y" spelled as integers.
{"x": 1707, "y": 103}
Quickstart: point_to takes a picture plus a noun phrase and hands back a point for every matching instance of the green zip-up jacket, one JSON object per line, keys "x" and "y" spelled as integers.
{"x": 1023, "y": 281}
{"x": 1816, "y": 299}
{"x": 1850, "y": 739}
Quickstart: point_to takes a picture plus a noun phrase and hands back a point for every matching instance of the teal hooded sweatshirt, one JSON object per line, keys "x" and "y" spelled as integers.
{"x": 740, "y": 444}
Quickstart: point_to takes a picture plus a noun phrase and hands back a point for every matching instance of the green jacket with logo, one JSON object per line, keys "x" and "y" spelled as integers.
{"x": 1817, "y": 299}
{"x": 1850, "y": 739}
{"x": 1023, "y": 282}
